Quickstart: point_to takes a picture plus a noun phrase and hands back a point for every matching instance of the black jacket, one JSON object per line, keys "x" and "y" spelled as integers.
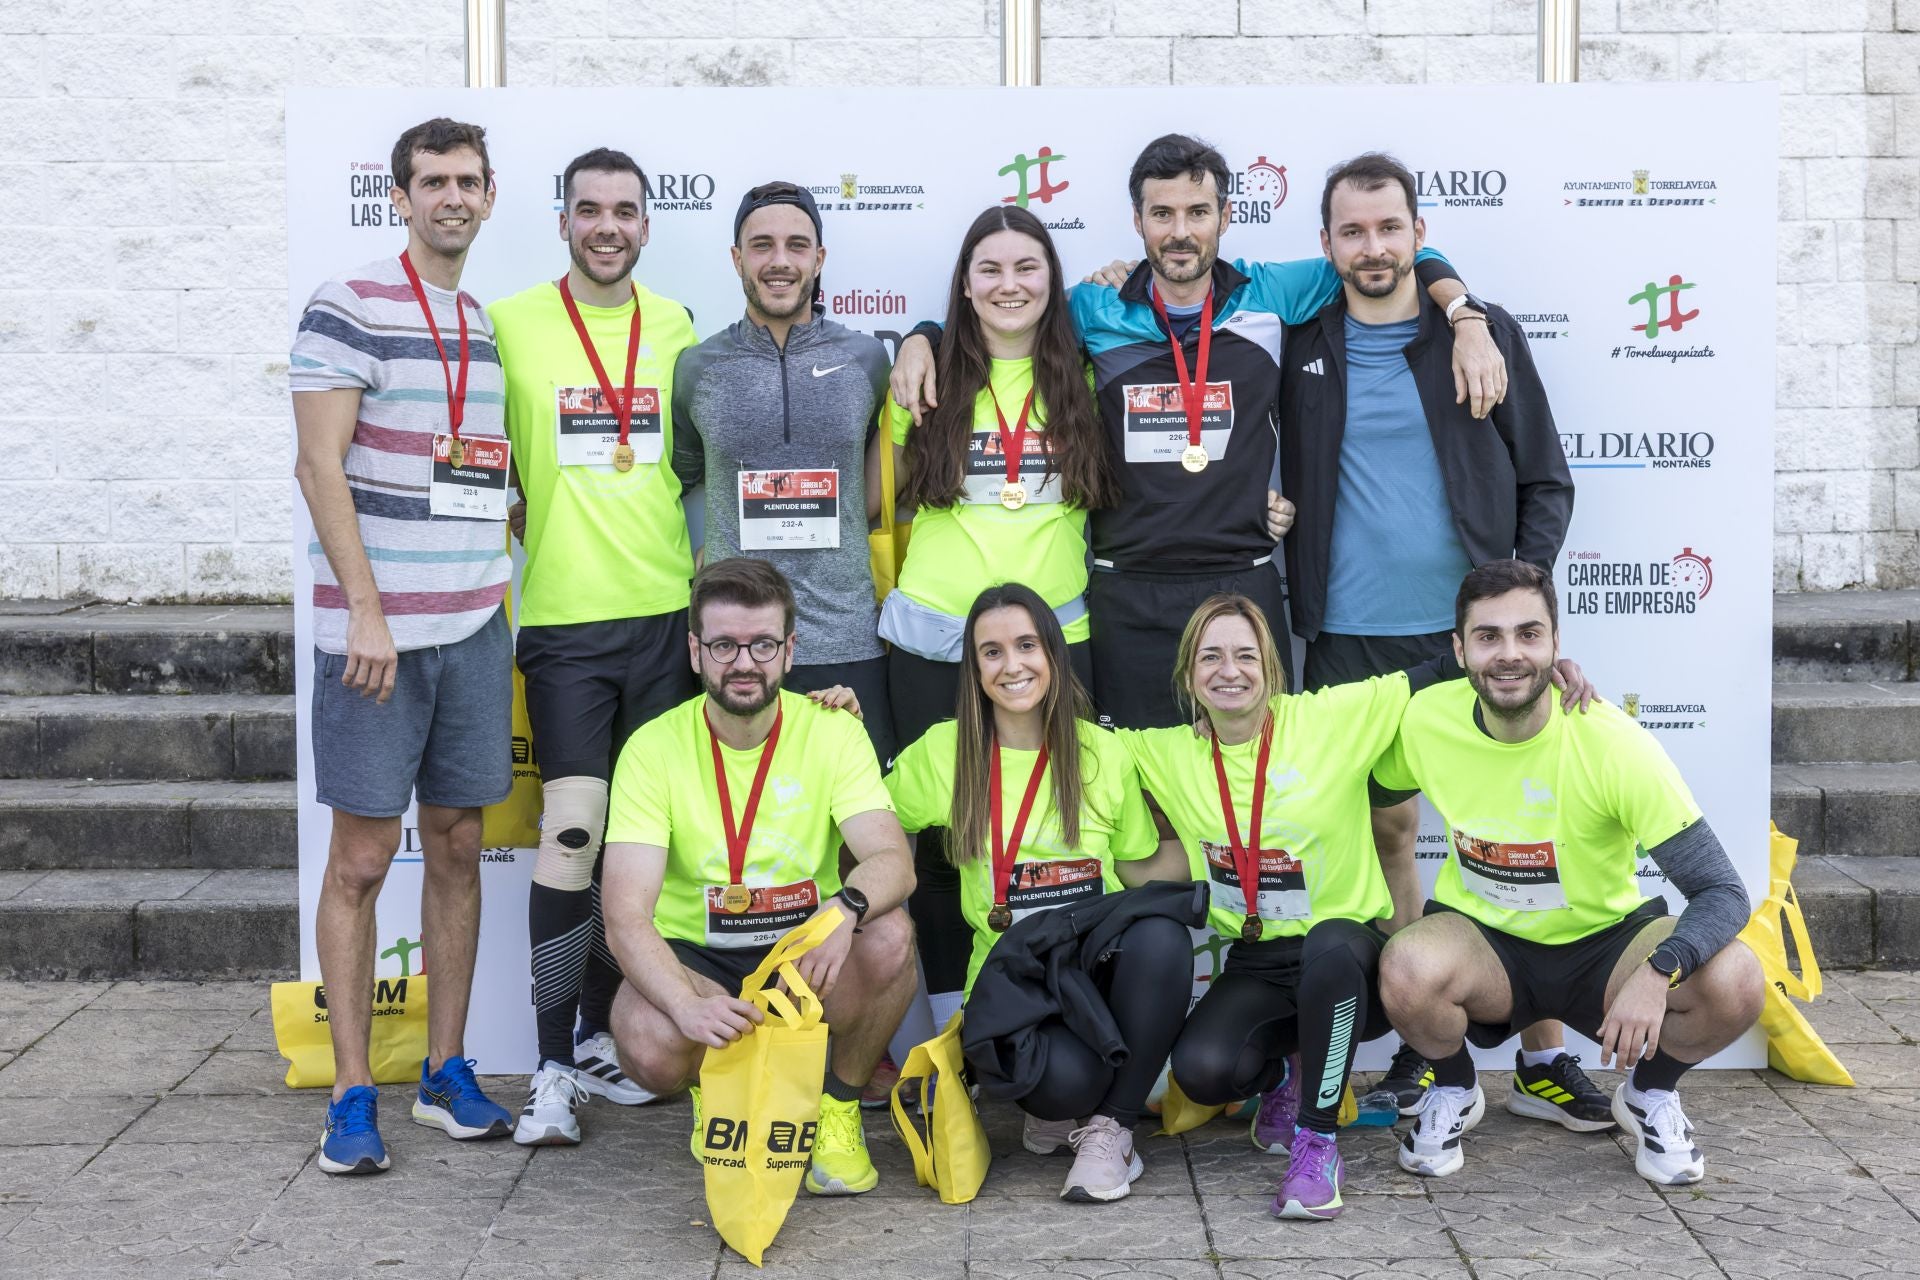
{"x": 1506, "y": 476}
{"x": 1042, "y": 968}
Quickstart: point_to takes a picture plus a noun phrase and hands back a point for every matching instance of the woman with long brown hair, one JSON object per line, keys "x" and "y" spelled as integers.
{"x": 1041, "y": 808}
{"x": 1000, "y": 476}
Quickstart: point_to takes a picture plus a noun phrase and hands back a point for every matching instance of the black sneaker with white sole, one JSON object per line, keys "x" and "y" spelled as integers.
{"x": 1559, "y": 1092}
{"x": 1407, "y": 1078}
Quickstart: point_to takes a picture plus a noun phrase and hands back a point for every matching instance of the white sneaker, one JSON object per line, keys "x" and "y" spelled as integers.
{"x": 549, "y": 1119}
{"x": 1664, "y": 1152}
{"x": 1105, "y": 1164}
{"x": 1431, "y": 1148}
{"x": 598, "y": 1064}
{"x": 1047, "y": 1137}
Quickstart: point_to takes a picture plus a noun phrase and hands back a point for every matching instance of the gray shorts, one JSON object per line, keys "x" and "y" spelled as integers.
{"x": 445, "y": 731}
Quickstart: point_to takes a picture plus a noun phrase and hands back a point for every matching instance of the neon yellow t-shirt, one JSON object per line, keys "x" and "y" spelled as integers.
{"x": 1543, "y": 832}
{"x": 664, "y": 794}
{"x": 601, "y": 544}
{"x": 1317, "y": 860}
{"x": 1114, "y": 823}
{"x": 959, "y": 551}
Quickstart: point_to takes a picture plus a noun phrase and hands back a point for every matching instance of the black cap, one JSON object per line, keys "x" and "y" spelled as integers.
{"x": 772, "y": 193}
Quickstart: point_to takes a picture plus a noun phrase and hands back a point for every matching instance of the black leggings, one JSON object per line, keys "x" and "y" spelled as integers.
{"x": 1318, "y": 996}
{"x": 922, "y": 692}
{"x": 1147, "y": 982}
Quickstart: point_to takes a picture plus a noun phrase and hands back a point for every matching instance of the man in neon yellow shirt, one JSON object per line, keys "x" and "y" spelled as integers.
{"x": 1537, "y": 913}
{"x": 604, "y": 596}
{"x": 727, "y": 818}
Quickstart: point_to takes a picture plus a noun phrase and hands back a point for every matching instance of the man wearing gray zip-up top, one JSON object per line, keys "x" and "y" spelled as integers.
{"x": 776, "y": 414}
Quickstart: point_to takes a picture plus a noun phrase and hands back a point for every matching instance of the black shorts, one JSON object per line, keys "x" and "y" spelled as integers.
{"x": 591, "y": 684}
{"x": 728, "y": 966}
{"x": 1566, "y": 981}
{"x": 1341, "y": 659}
{"x": 1137, "y": 621}
{"x": 868, "y": 680}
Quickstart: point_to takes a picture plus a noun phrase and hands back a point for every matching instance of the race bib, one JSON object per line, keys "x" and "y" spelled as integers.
{"x": 987, "y": 469}
{"x": 774, "y": 910}
{"x": 1045, "y": 884}
{"x": 1518, "y": 877}
{"x": 477, "y": 488}
{"x": 789, "y": 510}
{"x": 587, "y": 426}
{"x": 1157, "y": 420}
{"x": 1283, "y": 883}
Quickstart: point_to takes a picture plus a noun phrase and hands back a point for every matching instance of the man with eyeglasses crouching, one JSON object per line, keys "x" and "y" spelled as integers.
{"x": 724, "y": 832}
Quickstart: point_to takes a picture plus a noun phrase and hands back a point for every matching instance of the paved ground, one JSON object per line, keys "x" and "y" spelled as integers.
{"x": 144, "y": 1130}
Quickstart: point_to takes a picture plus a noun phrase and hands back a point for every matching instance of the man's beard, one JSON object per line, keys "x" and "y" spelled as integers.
{"x": 798, "y": 301}
{"x": 1376, "y": 289}
{"x": 592, "y": 267}
{"x": 740, "y": 700}
{"x": 1482, "y": 684}
{"x": 1202, "y": 261}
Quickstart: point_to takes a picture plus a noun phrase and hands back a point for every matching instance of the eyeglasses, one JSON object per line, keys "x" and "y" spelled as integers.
{"x": 725, "y": 649}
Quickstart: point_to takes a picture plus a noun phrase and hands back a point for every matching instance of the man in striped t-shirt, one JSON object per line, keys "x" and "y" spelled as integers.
{"x": 398, "y": 402}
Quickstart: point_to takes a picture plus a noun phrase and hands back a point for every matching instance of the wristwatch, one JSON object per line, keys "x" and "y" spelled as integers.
{"x": 1667, "y": 964}
{"x": 1466, "y": 301}
{"x": 858, "y": 901}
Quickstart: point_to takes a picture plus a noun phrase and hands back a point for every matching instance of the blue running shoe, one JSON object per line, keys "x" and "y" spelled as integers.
{"x": 450, "y": 1099}
{"x": 351, "y": 1141}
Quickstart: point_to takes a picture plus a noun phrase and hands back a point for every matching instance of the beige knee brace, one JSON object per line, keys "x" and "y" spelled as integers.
{"x": 570, "y": 831}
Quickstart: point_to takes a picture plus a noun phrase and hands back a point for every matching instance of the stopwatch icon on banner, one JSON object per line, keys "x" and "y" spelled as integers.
{"x": 1693, "y": 572}
{"x": 1267, "y": 182}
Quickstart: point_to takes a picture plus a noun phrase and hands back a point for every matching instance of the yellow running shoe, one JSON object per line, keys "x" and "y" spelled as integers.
{"x": 693, "y": 1144}
{"x": 840, "y": 1163}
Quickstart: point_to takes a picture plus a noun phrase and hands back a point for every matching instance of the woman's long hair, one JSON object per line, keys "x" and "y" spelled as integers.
{"x": 1225, "y": 605}
{"x": 1079, "y": 454}
{"x": 1064, "y": 706}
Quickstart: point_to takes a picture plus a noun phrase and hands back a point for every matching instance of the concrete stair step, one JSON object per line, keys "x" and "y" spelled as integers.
{"x": 189, "y": 924}
{"x": 135, "y": 736}
{"x": 1845, "y": 635}
{"x": 67, "y": 824}
{"x": 1852, "y": 810}
{"x": 50, "y": 647}
{"x": 1861, "y": 911}
{"x": 1870, "y": 722}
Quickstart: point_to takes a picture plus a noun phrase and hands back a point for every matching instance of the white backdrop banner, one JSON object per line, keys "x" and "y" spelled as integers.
{"x": 1628, "y": 227}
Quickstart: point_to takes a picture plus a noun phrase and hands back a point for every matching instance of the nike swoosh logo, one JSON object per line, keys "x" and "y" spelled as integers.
{"x": 818, "y": 372}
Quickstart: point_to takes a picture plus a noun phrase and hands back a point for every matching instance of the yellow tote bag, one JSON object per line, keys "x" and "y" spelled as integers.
{"x": 1179, "y": 1113}
{"x": 951, "y": 1155}
{"x": 887, "y": 545}
{"x": 397, "y": 1041}
{"x": 514, "y": 823}
{"x": 760, "y": 1099}
{"x": 1794, "y": 1048}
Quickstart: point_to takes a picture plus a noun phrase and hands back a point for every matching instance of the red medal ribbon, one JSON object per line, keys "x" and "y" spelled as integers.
{"x": 1013, "y": 445}
{"x": 1005, "y": 851}
{"x": 737, "y": 840}
{"x": 456, "y": 395}
{"x": 623, "y": 406}
{"x": 1246, "y": 853}
{"x": 1193, "y": 390}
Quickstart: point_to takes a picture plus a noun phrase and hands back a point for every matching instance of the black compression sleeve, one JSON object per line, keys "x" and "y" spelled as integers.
{"x": 1717, "y": 904}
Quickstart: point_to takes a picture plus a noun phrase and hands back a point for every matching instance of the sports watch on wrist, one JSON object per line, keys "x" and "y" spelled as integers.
{"x": 1467, "y": 302}
{"x": 858, "y": 901}
{"x": 1667, "y": 964}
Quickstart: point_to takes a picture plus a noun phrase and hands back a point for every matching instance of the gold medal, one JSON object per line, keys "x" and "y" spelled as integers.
{"x": 456, "y": 452}
{"x": 623, "y": 461}
{"x": 1013, "y": 495}
{"x": 1250, "y": 929}
{"x": 1195, "y": 458}
{"x": 735, "y": 899}
{"x": 1000, "y": 918}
